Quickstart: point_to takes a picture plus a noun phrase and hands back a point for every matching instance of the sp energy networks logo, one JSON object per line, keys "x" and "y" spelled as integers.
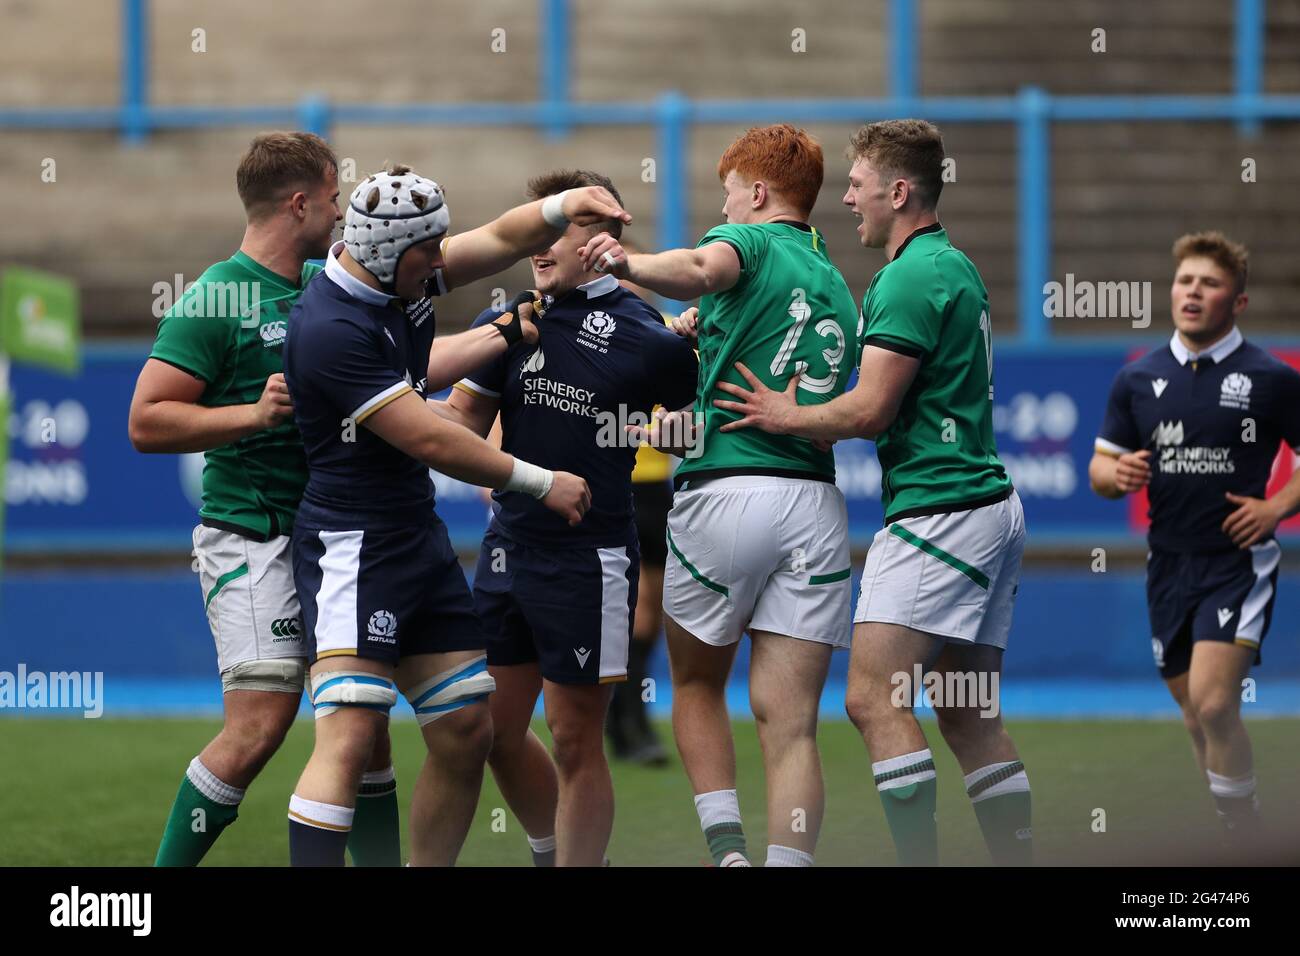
{"x": 533, "y": 364}
{"x": 1179, "y": 459}
{"x": 383, "y": 627}
{"x": 1168, "y": 433}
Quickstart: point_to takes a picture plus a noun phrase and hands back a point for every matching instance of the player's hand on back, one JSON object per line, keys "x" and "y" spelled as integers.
{"x": 569, "y": 497}
{"x": 687, "y": 324}
{"x": 673, "y": 433}
{"x": 604, "y": 253}
{"x": 274, "y": 407}
{"x": 1132, "y": 471}
{"x": 592, "y": 204}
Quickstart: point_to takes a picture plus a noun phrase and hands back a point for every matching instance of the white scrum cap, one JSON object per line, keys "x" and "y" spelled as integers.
{"x": 387, "y": 214}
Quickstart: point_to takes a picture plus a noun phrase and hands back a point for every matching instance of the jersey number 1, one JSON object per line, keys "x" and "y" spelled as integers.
{"x": 801, "y": 312}
{"x": 986, "y": 327}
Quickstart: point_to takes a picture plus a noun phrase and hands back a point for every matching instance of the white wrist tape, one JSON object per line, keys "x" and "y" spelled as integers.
{"x": 553, "y": 210}
{"x": 530, "y": 479}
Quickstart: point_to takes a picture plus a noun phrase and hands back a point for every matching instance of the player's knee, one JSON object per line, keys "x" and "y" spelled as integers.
{"x": 1216, "y": 712}
{"x": 462, "y": 739}
{"x": 576, "y": 746}
{"x": 864, "y": 708}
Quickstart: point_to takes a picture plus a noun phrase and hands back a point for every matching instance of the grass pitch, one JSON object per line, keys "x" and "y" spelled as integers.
{"x": 96, "y": 793}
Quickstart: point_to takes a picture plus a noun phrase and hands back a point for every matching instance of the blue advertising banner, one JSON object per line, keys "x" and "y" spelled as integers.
{"x": 74, "y": 482}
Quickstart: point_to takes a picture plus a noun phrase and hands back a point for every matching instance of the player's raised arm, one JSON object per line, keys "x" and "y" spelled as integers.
{"x": 677, "y": 273}
{"x": 524, "y": 231}
{"x": 166, "y": 418}
{"x": 864, "y": 412}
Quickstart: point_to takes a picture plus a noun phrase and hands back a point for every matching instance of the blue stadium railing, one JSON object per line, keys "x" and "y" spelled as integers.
{"x": 1032, "y": 111}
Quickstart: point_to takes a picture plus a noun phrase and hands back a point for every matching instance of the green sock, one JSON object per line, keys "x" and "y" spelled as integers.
{"x": 376, "y": 838}
{"x": 908, "y": 791}
{"x": 196, "y": 820}
{"x": 724, "y": 840}
{"x": 1000, "y": 794}
{"x": 720, "y": 820}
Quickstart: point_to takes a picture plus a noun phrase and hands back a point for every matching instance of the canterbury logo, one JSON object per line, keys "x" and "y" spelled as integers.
{"x": 273, "y": 333}
{"x": 286, "y": 627}
{"x": 1168, "y": 433}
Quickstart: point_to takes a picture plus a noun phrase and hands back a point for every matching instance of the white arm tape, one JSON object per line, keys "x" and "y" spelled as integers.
{"x": 553, "y": 211}
{"x": 530, "y": 479}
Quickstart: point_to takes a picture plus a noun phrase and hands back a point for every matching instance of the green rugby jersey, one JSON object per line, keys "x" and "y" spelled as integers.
{"x": 939, "y": 455}
{"x": 228, "y": 330}
{"x": 789, "y": 311}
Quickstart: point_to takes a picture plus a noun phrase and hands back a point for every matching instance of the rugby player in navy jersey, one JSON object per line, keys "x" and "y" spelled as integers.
{"x": 386, "y": 607}
{"x": 557, "y": 601}
{"x": 1198, "y": 423}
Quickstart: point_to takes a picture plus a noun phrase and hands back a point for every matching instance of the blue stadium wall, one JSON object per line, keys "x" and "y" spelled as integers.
{"x": 1079, "y": 643}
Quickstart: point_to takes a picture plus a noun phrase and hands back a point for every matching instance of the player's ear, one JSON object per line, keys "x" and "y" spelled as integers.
{"x": 1239, "y": 304}
{"x": 902, "y": 189}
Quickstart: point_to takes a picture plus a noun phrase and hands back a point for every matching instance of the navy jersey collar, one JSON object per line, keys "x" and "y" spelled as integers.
{"x": 350, "y": 283}
{"x": 1218, "y": 351}
{"x": 598, "y": 287}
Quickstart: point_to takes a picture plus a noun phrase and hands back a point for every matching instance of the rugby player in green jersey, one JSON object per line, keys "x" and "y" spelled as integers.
{"x": 213, "y": 383}
{"x": 758, "y": 532}
{"x": 941, "y": 576}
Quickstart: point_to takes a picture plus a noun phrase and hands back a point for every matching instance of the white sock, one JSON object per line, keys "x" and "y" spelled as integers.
{"x": 903, "y": 770}
{"x": 787, "y": 856}
{"x": 735, "y": 859}
{"x": 211, "y": 786}
{"x": 993, "y": 781}
{"x": 542, "y": 844}
{"x": 719, "y": 806}
{"x": 1231, "y": 787}
{"x": 323, "y": 816}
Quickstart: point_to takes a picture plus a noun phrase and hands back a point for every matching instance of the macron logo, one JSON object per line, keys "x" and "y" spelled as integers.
{"x": 1158, "y": 386}
{"x": 1225, "y": 615}
{"x": 581, "y": 653}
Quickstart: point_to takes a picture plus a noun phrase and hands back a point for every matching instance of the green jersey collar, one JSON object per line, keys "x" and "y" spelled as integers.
{"x": 252, "y": 265}
{"x": 924, "y": 230}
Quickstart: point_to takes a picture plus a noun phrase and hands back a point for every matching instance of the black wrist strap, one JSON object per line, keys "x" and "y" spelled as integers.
{"x": 511, "y": 329}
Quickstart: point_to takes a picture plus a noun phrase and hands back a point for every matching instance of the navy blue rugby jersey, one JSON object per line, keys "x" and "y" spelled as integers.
{"x": 350, "y": 351}
{"x": 603, "y": 353}
{"x": 1212, "y": 422}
